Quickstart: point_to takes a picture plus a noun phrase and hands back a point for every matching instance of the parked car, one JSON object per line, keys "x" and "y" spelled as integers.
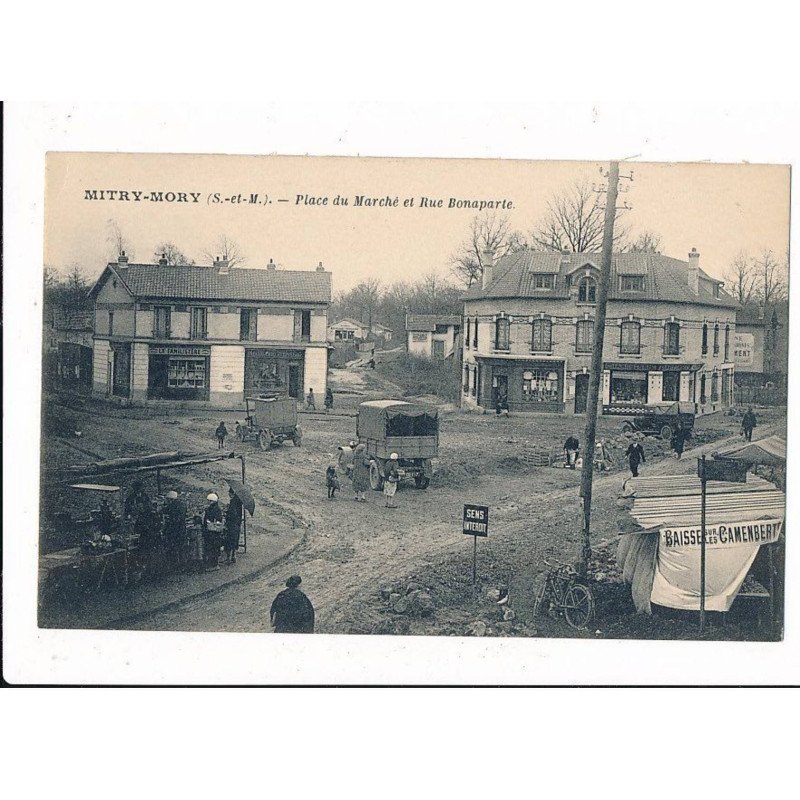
{"x": 662, "y": 420}
{"x": 395, "y": 426}
{"x": 270, "y": 420}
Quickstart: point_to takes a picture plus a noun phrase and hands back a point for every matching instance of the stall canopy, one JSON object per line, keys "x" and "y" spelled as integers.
{"x": 661, "y": 561}
{"x": 770, "y": 451}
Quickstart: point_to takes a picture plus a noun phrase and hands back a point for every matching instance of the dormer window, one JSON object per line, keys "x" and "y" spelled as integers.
{"x": 631, "y": 283}
{"x": 587, "y": 290}
{"x": 544, "y": 281}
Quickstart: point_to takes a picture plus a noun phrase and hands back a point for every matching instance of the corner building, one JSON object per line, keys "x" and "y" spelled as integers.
{"x": 208, "y": 334}
{"x": 529, "y": 331}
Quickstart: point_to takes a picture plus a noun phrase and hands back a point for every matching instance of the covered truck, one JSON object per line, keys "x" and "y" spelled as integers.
{"x": 270, "y": 420}
{"x": 396, "y": 426}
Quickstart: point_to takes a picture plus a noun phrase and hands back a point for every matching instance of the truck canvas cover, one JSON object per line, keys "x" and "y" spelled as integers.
{"x": 380, "y": 418}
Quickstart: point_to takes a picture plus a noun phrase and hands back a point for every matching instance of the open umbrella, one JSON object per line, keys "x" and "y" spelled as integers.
{"x": 244, "y": 494}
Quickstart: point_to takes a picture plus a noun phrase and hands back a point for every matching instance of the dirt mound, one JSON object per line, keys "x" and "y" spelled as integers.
{"x": 456, "y": 473}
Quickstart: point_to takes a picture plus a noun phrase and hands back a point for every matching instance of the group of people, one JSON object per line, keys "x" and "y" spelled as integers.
{"x": 311, "y": 400}
{"x": 360, "y": 476}
{"x": 166, "y": 542}
{"x": 602, "y": 457}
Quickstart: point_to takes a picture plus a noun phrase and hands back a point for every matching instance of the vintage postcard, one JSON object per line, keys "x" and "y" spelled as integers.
{"x": 428, "y": 397}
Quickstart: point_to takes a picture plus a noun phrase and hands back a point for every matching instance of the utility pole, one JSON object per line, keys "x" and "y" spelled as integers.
{"x": 587, "y": 472}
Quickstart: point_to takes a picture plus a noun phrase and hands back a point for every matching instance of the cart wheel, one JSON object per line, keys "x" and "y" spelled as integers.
{"x": 297, "y": 437}
{"x": 578, "y": 606}
{"x": 627, "y": 427}
{"x": 375, "y": 477}
{"x": 264, "y": 439}
{"x": 422, "y": 481}
{"x": 666, "y": 433}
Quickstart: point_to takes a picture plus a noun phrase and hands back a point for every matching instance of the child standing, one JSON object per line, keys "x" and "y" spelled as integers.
{"x": 390, "y": 481}
{"x": 332, "y": 482}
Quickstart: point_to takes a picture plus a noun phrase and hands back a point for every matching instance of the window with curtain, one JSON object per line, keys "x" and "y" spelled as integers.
{"x": 630, "y": 338}
{"x": 501, "y": 334}
{"x": 705, "y": 339}
{"x": 727, "y": 341}
{"x": 587, "y": 290}
{"x": 199, "y": 320}
{"x": 672, "y": 339}
{"x": 542, "y": 335}
{"x": 584, "y": 336}
{"x": 716, "y": 340}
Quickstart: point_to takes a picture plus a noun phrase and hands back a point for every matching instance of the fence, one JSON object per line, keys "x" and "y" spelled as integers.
{"x": 759, "y": 396}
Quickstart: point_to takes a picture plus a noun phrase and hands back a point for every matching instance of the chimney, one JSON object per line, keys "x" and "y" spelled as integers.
{"x": 320, "y": 268}
{"x": 694, "y": 271}
{"x": 272, "y": 265}
{"x": 565, "y": 254}
{"x": 162, "y": 262}
{"x": 488, "y": 267}
{"x": 122, "y": 261}
{"x": 223, "y": 266}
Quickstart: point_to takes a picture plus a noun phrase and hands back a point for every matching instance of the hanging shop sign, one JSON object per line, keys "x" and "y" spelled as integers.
{"x": 156, "y": 350}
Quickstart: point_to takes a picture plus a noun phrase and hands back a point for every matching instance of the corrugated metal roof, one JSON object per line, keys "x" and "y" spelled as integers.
{"x": 206, "y": 283}
{"x": 666, "y": 279}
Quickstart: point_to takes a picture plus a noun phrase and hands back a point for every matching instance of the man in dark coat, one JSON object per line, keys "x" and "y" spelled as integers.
{"x": 571, "y": 447}
{"x": 212, "y": 527}
{"x": 678, "y": 440}
{"x": 635, "y": 455}
{"x": 291, "y": 610}
{"x": 221, "y": 432}
{"x": 175, "y": 529}
{"x": 233, "y": 525}
{"x": 748, "y": 423}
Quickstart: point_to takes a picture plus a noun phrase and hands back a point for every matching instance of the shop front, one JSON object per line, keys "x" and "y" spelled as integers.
{"x": 270, "y": 371}
{"x": 178, "y": 373}
{"x": 526, "y": 385}
{"x": 630, "y": 386}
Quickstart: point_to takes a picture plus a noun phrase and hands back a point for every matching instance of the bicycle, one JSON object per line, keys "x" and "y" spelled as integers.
{"x": 562, "y": 591}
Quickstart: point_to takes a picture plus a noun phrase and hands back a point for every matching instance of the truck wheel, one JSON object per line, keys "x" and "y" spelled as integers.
{"x": 375, "y": 477}
{"x": 666, "y": 433}
{"x": 422, "y": 481}
{"x": 264, "y": 439}
{"x": 297, "y": 436}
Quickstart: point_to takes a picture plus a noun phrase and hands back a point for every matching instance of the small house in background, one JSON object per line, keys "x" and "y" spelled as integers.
{"x": 351, "y": 331}
{"x": 435, "y": 336}
{"x": 67, "y": 346}
{"x": 756, "y": 347}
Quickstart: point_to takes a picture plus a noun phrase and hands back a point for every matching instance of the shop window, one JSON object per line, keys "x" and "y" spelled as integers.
{"x": 186, "y": 373}
{"x": 540, "y": 386}
{"x": 628, "y": 388}
{"x": 584, "y": 336}
{"x": 248, "y": 324}
{"x": 705, "y": 339}
{"x": 162, "y": 322}
{"x": 199, "y": 323}
{"x": 502, "y": 334}
{"x": 672, "y": 339}
{"x": 542, "y": 335}
{"x": 587, "y": 290}
{"x": 727, "y": 341}
{"x": 544, "y": 281}
{"x": 631, "y": 283}
{"x": 630, "y": 338}
{"x": 716, "y": 340}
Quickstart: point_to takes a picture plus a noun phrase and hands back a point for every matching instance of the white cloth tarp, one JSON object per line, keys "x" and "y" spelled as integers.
{"x": 731, "y": 548}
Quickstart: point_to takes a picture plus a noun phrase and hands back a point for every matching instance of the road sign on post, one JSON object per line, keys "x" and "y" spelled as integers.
{"x": 476, "y": 523}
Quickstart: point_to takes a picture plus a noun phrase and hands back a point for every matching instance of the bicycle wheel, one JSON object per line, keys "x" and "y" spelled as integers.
{"x": 578, "y": 606}
{"x": 537, "y": 606}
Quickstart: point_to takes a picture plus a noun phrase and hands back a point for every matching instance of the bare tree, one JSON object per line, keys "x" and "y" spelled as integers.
{"x": 574, "y": 222}
{"x": 175, "y": 258}
{"x": 227, "y": 249}
{"x": 646, "y": 242}
{"x": 118, "y": 242}
{"x": 771, "y": 278}
{"x": 488, "y": 231}
{"x": 741, "y": 278}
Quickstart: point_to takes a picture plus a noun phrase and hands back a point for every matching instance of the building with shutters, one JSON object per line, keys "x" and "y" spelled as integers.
{"x": 212, "y": 334}
{"x": 528, "y": 333}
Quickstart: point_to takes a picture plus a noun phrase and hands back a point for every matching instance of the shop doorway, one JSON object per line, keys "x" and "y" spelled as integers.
{"x": 671, "y": 386}
{"x": 294, "y": 380}
{"x": 501, "y": 389}
{"x": 581, "y": 392}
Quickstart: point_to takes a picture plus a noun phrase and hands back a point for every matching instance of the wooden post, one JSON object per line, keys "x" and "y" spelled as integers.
{"x": 596, "y": 374}
{"x": 702, "y": 543}
{"x": 474, "y": 560}
{"x": 244, "y": 514}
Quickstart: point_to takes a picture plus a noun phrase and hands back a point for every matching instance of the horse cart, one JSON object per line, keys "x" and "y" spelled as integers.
{"x": 270, "y": 421}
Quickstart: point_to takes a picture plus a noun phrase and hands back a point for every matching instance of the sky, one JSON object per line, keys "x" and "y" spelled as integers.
{"x": 719, "y": 209}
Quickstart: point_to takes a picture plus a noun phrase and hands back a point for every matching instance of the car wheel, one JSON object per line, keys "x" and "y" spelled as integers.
{"x": 666, "y": 433}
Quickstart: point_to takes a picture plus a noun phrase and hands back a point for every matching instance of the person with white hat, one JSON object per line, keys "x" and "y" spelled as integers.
{"x": 390, "y": 481}
{"x": 212, "y": 530}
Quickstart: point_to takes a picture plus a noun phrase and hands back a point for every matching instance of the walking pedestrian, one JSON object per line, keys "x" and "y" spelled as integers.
{"x": 678, "y": 440}
{"x": 748, "y": 423}
{"x": 175, "y": 530}
{"x": 212, "y": 528}
{"x": 328, "y": 399}
{"x": 221, "y": 432}
{"x": 311, "y": 404}
{"x": 635, "y": 455}
{"x": 390, "y": 481}
{"x": 233, "y": 526}
{"x": 360, "y": 473}
{"x": 332, "y": 482}
{"x": 571, "y": 447}
{"x": 292, "y": 611}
